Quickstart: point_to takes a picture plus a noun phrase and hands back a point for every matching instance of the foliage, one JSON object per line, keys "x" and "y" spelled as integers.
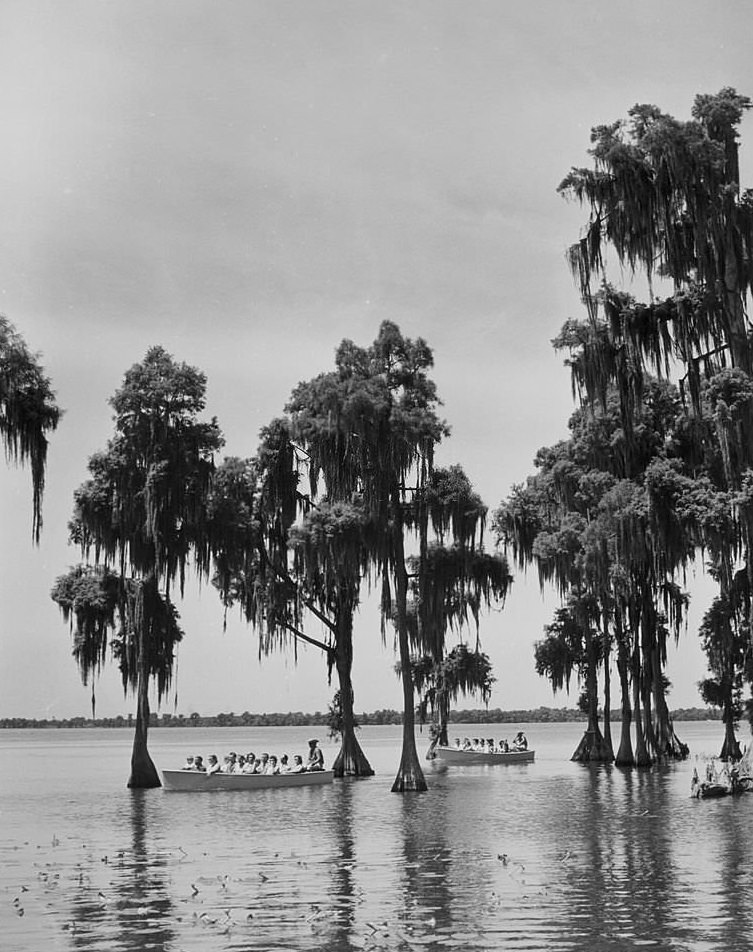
{"x": 665, "y": 197}
{"x": 140, "y": 516}
{"x": 28, "y": 412}
{"x": 460, "y": 672}
{"x": 368, "y": 428}
{"x": 335, "y": 724}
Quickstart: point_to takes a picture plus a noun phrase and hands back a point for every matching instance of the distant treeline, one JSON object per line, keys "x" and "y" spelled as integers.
{"x": 298, "y": 719}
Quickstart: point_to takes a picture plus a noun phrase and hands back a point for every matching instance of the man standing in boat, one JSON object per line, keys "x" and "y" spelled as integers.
{"x": 316, "y": 757}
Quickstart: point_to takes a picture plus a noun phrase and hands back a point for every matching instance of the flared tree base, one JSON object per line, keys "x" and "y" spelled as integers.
{"x": 672, "y": 748}
{"x": 351, "y": 761}
{"x": 625, "y": 756}
{"x": 410, "y": 778}
{"x": 144, "y": 774}
{"x": 731, "y": 751}
{"x": 593, "y": 748}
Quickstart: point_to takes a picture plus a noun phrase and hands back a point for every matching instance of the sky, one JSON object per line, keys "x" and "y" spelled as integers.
{"x": 247, "y": 183}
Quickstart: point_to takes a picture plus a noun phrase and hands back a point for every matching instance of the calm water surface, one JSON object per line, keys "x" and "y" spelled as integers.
{"x": 551, "y": 855}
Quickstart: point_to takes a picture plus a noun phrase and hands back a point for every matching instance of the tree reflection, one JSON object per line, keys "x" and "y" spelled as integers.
{"x": 623, "y": 888}
{"x": 735, "y": 917}
{"x": 427, "y": 897}
{"x": 133, "y": 910}
{"x": 341, "y": 889}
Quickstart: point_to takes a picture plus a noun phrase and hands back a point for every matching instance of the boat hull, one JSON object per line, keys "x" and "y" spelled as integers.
{"x": 710, "y": 791}
{"x": 191, "y": 781}
{"x": 474, "y": 758}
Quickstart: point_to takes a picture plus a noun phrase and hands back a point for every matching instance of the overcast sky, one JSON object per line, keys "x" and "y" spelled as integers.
{"x": 247, "y": 183}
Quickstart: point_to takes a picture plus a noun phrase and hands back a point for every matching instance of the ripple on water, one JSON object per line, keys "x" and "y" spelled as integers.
{"x": 552, "y": 855}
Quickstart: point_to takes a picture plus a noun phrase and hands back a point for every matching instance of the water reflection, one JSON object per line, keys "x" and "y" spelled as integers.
{"x": 735, "y": 920}
{"x": 556, "y": 856}
{"x": 621, "y": 887}
{"x": 132, "y": 909}
{"x": 333, "y": 921}
{"x": 425, "y": 895}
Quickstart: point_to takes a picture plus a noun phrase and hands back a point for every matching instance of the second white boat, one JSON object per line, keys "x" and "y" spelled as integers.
{"x": 454, "y": 757}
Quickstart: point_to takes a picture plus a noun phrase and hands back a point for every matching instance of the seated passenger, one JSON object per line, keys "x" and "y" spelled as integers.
{"x": 316, "y": 757}
{"x": 189, "y": 764}
{"x": 476, "y": 745}
{"x": 490, "y": 745}
{"x": 457, "y": 743}
{"x": 213, "y": 765}
{"x": 297, "y": 764}
{"x": 466, "y": 744}
{"x": 261, "y": 764}
{"x": 520, "y": 742}
{"x": 227, "y": 765}
{"x": 239, "y": 764}
{"x": 272, "y": 766}
{"x": 504, "y": 747}
{"x": 198, "y": 763}
{"x": 284, "y": 765}
{"x": 250, "y": 764}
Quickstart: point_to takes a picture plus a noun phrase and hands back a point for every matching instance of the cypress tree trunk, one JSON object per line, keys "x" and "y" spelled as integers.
{"x": 607, "y": 701}
{"x": 443, "y": 706}
{"x": 731, "y": 746}
{"x": 625, "y": 756}
{"x": 646, "y": 693}
{"x": 143, "y": 772}
{"x": 409, "y": 777}
{"x": 592, "y": 748}
{"x": 351, "y": 760}
{"x": 642, "y": 756}
{"x": 668, "y": 744}
{"x": 734, "y": 308}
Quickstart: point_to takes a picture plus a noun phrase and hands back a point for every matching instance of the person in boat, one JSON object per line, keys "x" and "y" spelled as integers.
{"x": 213, "y": 765}
{"x": 316, "y": 757}
{"x": 239, "y": 764}
{"x": 520, "y": 742}
{"x": 261, "y": 763}
{"x": 476, "y": 746}
{"x": 198, "y": 763}
{"x": 284, "y": 765}
{"x": 457, "y": 743}
{"x": 466, "y": 744}
{"x": 250, "y": 764}
{"x": 504, "y": 747}
{"x": 490, "y": 745}
{"x": 298, "y": 766}
{"x": 272, "y": 766}
{"x": 189, "y": 764}
{"x": 227, "y": 764}
{"x": 315, "y": 760}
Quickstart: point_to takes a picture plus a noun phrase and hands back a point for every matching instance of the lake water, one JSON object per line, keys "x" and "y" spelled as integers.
{"x": 551, "y": 855}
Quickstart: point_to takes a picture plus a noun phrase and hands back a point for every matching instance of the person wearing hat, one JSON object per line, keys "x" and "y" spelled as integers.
{"x": 316, "y": 757}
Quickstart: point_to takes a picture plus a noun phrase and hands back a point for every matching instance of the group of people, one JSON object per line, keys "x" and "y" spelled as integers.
{"x": 263, "y": 764}
{"x": 487, "y": 746}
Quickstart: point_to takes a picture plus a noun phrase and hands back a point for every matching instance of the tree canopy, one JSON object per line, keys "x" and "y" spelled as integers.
{"x": 28, "y": 412}
{"x": 140, "y": 517}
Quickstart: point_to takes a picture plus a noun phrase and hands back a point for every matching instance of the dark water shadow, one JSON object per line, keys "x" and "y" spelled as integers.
{"x": 133, "y": 910}
{"x": 620, "y": 891}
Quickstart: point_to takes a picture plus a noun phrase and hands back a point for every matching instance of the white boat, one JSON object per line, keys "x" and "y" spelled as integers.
{"x": 457, "y": 757}
{"x": 191, "y": 781}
